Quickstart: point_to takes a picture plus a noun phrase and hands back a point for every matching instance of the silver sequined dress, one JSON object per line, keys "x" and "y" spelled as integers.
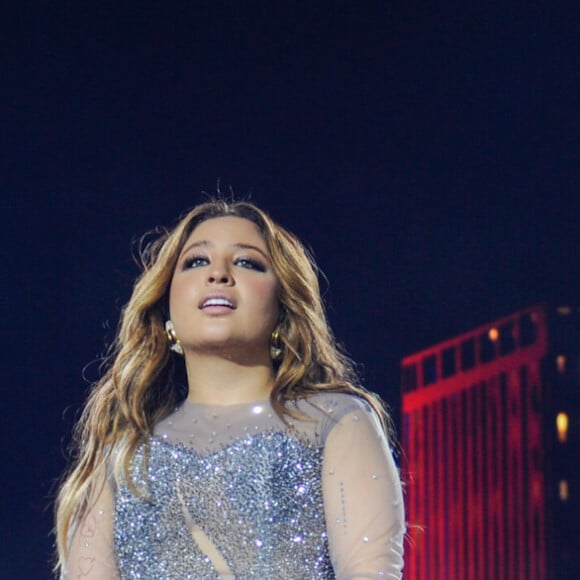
{"x": 233, "y": 492}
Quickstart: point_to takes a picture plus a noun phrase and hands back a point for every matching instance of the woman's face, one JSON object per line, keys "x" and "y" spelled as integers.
{"x": 224, "y": 293}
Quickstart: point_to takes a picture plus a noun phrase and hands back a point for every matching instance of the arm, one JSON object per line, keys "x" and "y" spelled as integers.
{"x": 363, "y": 499}
{"x": 91, "y": 551}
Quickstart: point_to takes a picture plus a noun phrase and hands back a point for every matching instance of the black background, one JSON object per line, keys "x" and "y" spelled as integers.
{"x": 428, "y": 152}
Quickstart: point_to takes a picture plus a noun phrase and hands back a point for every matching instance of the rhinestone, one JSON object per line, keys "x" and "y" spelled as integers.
{"x": 217, "y": 484}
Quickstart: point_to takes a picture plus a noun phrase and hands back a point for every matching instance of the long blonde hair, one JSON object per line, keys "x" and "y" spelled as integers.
{"x": 141, "y": 385}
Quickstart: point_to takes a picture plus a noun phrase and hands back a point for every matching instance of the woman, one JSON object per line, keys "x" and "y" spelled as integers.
{"x": 266, "y": 460}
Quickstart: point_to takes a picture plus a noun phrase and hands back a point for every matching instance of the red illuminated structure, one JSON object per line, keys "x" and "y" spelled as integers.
{"x": 491, "y": 451}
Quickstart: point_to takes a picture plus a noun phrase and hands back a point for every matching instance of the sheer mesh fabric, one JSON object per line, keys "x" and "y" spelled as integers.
{"x": 322, "y": 493}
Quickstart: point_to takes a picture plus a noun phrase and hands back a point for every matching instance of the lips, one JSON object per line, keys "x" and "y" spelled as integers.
{"x": 220, "y": 301}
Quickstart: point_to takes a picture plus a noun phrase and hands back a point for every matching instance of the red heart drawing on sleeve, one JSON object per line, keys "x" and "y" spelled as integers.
{"x": 85, "y": 566}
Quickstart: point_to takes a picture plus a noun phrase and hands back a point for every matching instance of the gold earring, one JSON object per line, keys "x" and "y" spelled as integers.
{"x": 174, "y": 343}
{"x": 275, "y": 346}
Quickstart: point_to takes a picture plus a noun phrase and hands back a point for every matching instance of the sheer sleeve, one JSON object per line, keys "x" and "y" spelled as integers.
{"x": 92, "y": 555}
{"x": 363, "y": 498}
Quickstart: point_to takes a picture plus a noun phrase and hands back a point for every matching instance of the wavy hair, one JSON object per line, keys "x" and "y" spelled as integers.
{"x": 141, "y": 385}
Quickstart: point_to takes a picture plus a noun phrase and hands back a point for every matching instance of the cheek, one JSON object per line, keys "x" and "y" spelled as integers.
{"x": 178, "y": 293}
{"x": 267, "y": 296}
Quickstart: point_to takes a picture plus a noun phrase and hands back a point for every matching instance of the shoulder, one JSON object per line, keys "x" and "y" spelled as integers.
{"x": 336, "y": 405}
{"x": 325, "y": 410}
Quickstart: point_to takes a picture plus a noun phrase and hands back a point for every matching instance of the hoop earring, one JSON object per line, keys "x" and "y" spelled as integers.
{"x": 174, "y": 343}
{"x": 275, "y": 346}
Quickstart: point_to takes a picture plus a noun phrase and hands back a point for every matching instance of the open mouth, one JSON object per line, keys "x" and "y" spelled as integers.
{"x": 217, "y": 302}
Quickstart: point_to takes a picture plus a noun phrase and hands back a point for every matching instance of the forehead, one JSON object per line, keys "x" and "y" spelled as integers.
{"x": 227, "y": 230}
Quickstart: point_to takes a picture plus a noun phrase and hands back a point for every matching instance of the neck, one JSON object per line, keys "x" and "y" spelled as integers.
{"x": 218, "y": 381}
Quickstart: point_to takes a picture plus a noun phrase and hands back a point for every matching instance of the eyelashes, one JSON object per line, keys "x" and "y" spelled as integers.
{"x": 197, "y": 261}
{"x": 250, "y": 264}
{"x": 194, "y": 262}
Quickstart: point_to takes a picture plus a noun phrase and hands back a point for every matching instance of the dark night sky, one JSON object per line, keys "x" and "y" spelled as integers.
{"x": 428, "y": 152}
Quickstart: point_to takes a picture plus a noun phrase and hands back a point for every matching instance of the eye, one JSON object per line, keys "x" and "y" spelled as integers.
{"x": 195, "y": 262}
{"x": 250, "y": 264}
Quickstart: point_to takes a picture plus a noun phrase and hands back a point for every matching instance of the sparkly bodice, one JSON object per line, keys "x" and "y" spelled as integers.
{"x": 256, "y": 500}
{"x": 235, "y": 492}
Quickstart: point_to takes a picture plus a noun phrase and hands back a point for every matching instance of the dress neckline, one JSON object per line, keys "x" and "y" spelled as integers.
{"x": 256, "y": 408}
{"x": 201, "y": 406}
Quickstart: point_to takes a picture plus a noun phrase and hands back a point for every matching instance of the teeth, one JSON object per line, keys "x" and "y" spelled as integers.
{"x": 217, "y": 302}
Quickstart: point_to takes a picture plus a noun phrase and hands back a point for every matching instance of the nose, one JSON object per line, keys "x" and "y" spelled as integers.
{"x": 219, "y": 275}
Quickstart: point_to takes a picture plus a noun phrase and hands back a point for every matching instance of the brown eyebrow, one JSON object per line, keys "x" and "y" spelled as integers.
{"x": 195, "y": 245}
{"x": 206, "y": 243}
{"x": 252, "y": 247}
